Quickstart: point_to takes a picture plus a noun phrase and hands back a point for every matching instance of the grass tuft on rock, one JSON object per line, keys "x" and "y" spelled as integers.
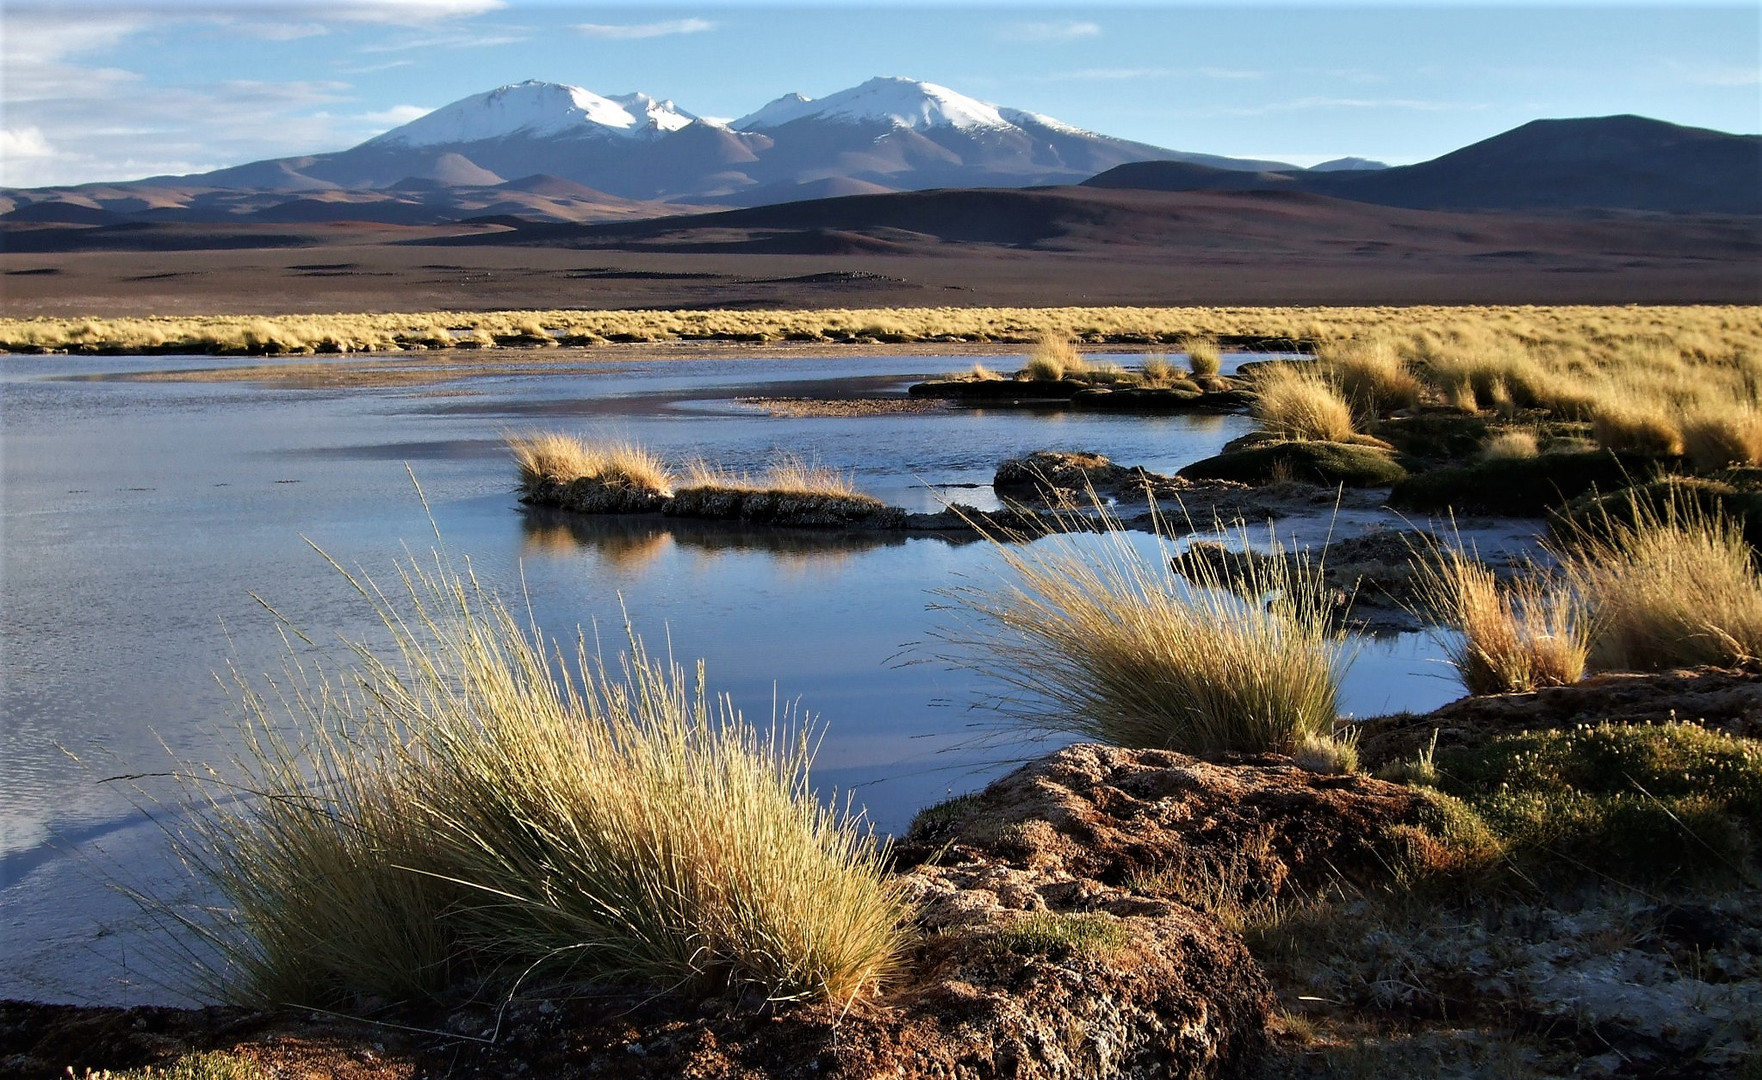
{"x": 463, "y": 807}
{"x": 547, "y": 460}
{"x": 1054, "y": 357}
{"x": 1101, "y": 640}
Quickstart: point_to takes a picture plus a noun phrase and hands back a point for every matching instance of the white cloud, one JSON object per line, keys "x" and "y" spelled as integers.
{"x": 1127, "y": 74}
{"x": 25, "y": 142}
{"x": 1730, "y": 75}
{"x": 395, "y": 116}
{"x": 1068, "y": 30}
{"x": 473, "y": 38}
{"x": 633, "y": 31}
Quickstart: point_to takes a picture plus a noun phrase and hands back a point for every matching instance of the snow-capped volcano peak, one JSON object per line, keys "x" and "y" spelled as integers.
{"x": 900, "y": 102}
{"x": 535, "y": 108}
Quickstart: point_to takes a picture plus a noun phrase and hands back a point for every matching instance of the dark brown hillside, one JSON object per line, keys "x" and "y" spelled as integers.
{"x": 1598, "y": 163}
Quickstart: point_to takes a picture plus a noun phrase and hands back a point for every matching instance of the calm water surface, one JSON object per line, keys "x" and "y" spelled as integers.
{"x": 140, "y": 517}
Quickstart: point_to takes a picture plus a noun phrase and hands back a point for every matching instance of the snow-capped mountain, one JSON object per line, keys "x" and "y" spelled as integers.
{"x": 888, "y": 134}
{"x": 537, "y": 110}
{"x": 888, "y": 100}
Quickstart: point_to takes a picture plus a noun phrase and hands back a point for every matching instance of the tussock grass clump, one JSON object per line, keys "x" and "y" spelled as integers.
{"x": 552, "y": 458}
{"x": 467, "y": 806}
{"x": 1295, "y": 403}
{"x": 1509, "y": 445}
{"x": 1669, "y": 584}
{"x": 1513, "y": 638}
{"x": 1054, "y": 357}
{"x": 1372, "y": 376}
{"x": 787, "y": 474}
{"x": 1716, "y": 438}
{"x": 1157, "y": 371}
{"x": 1104, "y": 642}
{"x": 1203, "y": 357}
{"x": 1637, "y": 428}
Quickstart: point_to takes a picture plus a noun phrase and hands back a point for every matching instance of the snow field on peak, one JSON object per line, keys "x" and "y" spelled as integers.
{"x": 538, "y": 109}
{"x": 901, "y": 102}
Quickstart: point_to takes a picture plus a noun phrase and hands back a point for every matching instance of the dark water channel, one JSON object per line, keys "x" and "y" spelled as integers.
{"x": 140, "y": 517}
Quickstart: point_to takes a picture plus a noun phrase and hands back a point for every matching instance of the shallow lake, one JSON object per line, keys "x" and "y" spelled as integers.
{"x": 141, "y": 517}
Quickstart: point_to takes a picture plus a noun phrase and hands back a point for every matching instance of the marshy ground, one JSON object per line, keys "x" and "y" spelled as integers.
{"x": 1549, "y": 878}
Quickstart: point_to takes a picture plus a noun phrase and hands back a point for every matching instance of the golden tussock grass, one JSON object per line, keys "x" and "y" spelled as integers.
{"x": 1515, "y": 637}
{"x": 1097, "y": 639}
{"x": 1298, "y": 403}
{"x": 1054, "y": 357}
{"x": 1372, "y": 376}
{"x": 1668, "y": 585}
{"x": 1714, "y": 439}
{"x": 553, "y": 457}
{"x": 465, "y": 807}
{"x": 1203, "y": 357}
{"x": 1510, "y": 444}
{"x": 787, "y": 473}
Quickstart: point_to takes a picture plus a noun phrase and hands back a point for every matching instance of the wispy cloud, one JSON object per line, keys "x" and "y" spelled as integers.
{"x": 1310, "y": 104}
{"x": 476, "y": 37}
{"x": 634, "y": 31}
{"x": 1066, "y": 30}
{"x": 1731, "y": 75}
{"x": 395, "y": 116}
{"x": 1126, "y": 74}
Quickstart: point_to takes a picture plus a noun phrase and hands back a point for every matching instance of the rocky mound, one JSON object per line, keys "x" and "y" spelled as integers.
{"x": 1727, "y": 701}
{"x": 1041, "y": 956}
{"x": 1111, "y": 825}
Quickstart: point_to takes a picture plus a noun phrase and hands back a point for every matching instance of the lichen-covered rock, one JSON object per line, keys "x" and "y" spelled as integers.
{"x": 1102, "y": 814}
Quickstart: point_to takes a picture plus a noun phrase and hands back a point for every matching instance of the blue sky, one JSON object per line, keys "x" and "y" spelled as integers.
{"x": 104, "y": 91}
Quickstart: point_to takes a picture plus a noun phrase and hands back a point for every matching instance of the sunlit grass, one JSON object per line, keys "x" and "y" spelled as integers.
{"x": 461, "y": 806}
{"x": 1297, "y": 403}
{"x": 1091, "y": 637}
{"x": 787, "y": 473}
{"x": 1513, "y": 637}
{"x": 1668, "y": 585}
{"x": 543, "y": 458}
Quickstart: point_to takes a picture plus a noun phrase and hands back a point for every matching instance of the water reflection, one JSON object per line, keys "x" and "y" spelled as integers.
{"x": 629, "y": 542}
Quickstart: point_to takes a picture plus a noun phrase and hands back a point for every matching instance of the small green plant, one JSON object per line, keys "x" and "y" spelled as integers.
{"x": 1636, "y": 802}
{"x": 1058, "y": 935}
{"x": 1421, "y": 770}
{"x": 1327, "y": 754}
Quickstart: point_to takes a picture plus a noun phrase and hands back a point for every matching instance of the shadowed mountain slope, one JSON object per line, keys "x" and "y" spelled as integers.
{"x": 1610, "y": 162}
